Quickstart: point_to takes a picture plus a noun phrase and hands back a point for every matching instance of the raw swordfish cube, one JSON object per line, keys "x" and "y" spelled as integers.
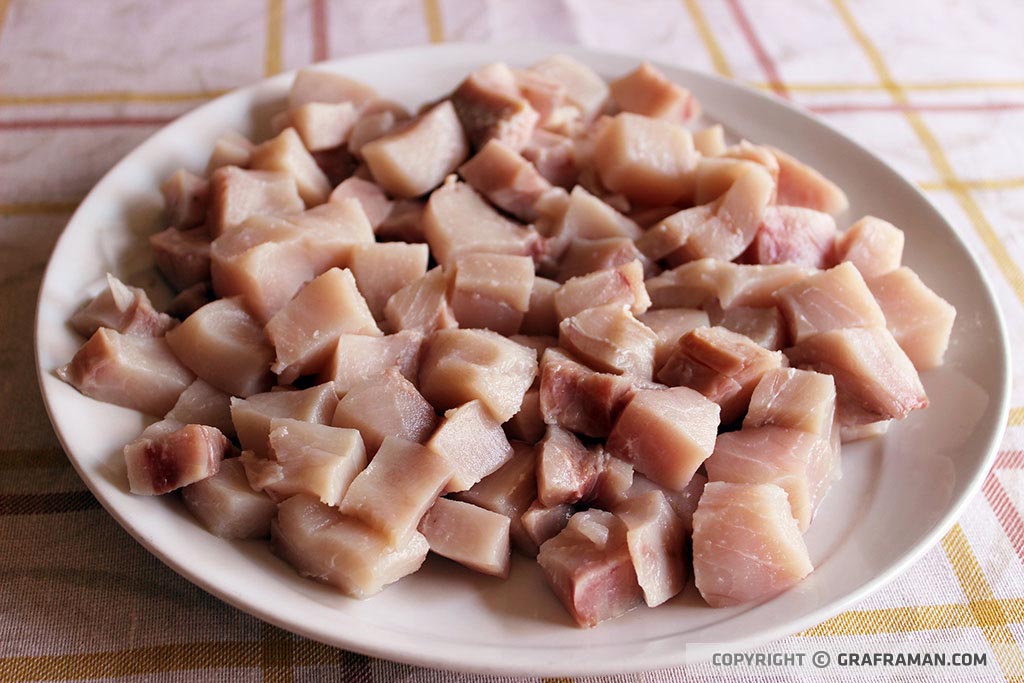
{"x": 286, "y": 153}
{"x": 386, "y": 405}
{"x": 509, "y": 491}
{"x": 610, "y": 339}
{"x": 182, "y": 256}
{"x": 169, "y": 455}
{"x": 501, "y": 174}
{"x": 315, "y": 459}
{"x": 124, "y": 309}
{"x": 580, "y": 399}
{"x": 253, "y": 416}
{"x": 226, "y": 505}
{"x": 567, "y": 471}
{"x": 358, "y": 357}
{"x": 421, "y": 305}
{"x": 472, "y": 443}
{"x": 620, "y": 285}
{"x": 470, "y": 535}
{"x": 656, "y": 538}
{"x": 919, "y": 319}
{"x": 204, "y": 404}
{"x": 833, "y": 299}
{"x": 874, "y": 246}
{"x": 801, "y": 185}
{"x": 542, "y": 523}
{"x": 490, "y": 107}
{"x": 381, "y": 269}
{"x": 491, "y": 291}
{"x": 237, "y": 194}
{"x": 647, "y": 91}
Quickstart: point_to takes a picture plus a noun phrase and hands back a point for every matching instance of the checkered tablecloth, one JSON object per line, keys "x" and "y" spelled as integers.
{"x": 936, "y": 87}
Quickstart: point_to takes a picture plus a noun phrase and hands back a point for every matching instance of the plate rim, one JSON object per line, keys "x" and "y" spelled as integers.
{"x": 432, "y": 659}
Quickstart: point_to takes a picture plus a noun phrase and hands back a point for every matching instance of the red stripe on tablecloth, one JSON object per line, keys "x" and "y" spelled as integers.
{"x": 320, "y": 45}
{"x": 760, "y": 53}
{"x": 1009, "y": 460}
{"x": 1005, "y": 511}
{"x": 34, "y": 124}
{"x": 940, "y": 108}
{"x": 47, "y": 503}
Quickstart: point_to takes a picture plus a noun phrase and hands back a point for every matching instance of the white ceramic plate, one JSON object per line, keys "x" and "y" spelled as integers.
{"x": 897, "y": 496}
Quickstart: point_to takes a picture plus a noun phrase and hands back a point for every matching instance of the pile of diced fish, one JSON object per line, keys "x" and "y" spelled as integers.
{"x": 542, "y": 314}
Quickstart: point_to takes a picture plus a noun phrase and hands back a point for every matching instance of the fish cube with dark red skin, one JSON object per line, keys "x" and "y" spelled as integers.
{"x": 226, "y": 505}
{"x": 119, "y": 307}
{"x": 341, "y": 551}
{"x": 381, "y": 269}
{"x": 874, "y": 246}
{"x": 237, "y": 194}
{"x": 169, "y": 455}
{"x": 421, "y": 305}
{"x": 182, "y": 256}
{"x": 305, "y": 331}
{"x": 501, "y": 174}
{"x": 185, "y": 199}
{"x": 358, "y": 357}
{"x": 461, "y": 365}
{"x": 919, "y": 319}
{"x": 231, "y": 149}
{"x": 472, "y": 443}
{"x": 746, "y": 544}
{"x": 666, "y": 434}
{"x": 140, "y": 373}
{"x": 801, "y": 185}
{"x": 567, "y": 470}
{"x": 491, "y": 291}
{"x": 472, "y": 536}
{"x": 589, "y": 568}
{"x": 490, "y": 107}
{"x": 720, "y": 364}
{"x": 669, "y": 324}
{"x": 286, "y": 153}
{"x": 542, "y": 523}
{"x": 375, "y": 203}
{"x": 610, "y": 339}
{"x": 315, "y": 459}
{"x": 324, "y": 126}
{"x": 647, "y": 91}
{"x": 402, "y": 482}
{"x": 793, "y": 234}
{"x": 833, "y": 299}
{"x": 875, "y": 380}
{"x": 203, "y": 404}
{"x": 656, "y": 538}
{"x": 252, "y": 416}
{"x": 620, "y": 285}
{"x": 414, "y": 158}
{"x": 386, "y": 405}
{"x": 578, "y": 398}
{"x": 509, "y": 491}
{"x": 225, "y": 346}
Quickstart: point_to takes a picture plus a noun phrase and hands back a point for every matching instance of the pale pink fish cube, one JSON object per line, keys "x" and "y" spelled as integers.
{"x": 421, "y": 305}
{"x": 458, "y": 221}
{"x": 649, "y": 160}
{"x": 540, "y": 343}
{"x": 746, "y": 544}
{"x": 286, "y": 153}
{"x": 472, "y": 536}
{"x": 669, "y": 324}
{"x": 204, "y": 404}
{"x": 542, "y": 523}
{"x": 584, "y": 88}
{"x": 370, "y": 127}
{"x": 647, "y": 91}
{"x": 619, "y": 285}
{"x": 873, "y": 245}
{"x": 683, "y": 502}
{"x": 764, "y": 326}
{"x": 315, "y": 459}
{"x": 472, "y": 443}
{"x": 667, "y": 236}
{"x": 386, "y": 405}
{"x": 415, "y": 158}
{"x": 540, "y": 317}
{"x": 375, "y": 203}
{"x": 870, "y": 430}
{"x": 225, "y": 346}
{"x": 553, "y": 156}
{"x": 666, "y": 434}
{"x": 761, "y": 155}
{"x": 755, "y": 285}
{"x": 396, "y": 489}
{"x": 691, "y": 285}
{"x": 318, "y": 85}
{"x": 264, "y": 262}
{"x": 802, "y": 463}
{"x": 231, "y": 149}
{"x": 341, "y": 551}
{"x": 509, "y": 491}
{"x": 358, "y": 357}
{"x": 715, "y": 175}
{"x": 501, "y": 174}
{"x": 656, "y": 538}
{"x": 185, "y": 199}
{"x": 586, "y": 256}
{"x": 226, "y": 505}
{"x": 720, "y": 364}
{"x": 875, "y": 380}
{"x": 252, "y": 416}
{"x": 567, "y": 471}
{"x": 588, "y": 217}
{"x": 305, "y": 331}
{"x": 404, "y": 223}
{"x": 589, "y": 568}
{"x": 613, "y": 482}
{"x": 237, "y": 194}
{"x": 794, "y": 399}
{"x": 141, "y": 373}
{"x": 461, "y": 365}
{"x": 610, "y": 339}
{"x": 383, "y": 268}
{"x": 710, "y": 141}
{"x": 324, "y": 126}
{"x": 169, "y": 455}
{"x": 182, "y": 256}
{"x": 119, "y": 307}
{"x": 332, "y": 231}
{"x": 833, "y": 299}
{"x": 578, "y": 398}
{"x": 919, "y": 319}
{"x": 491, "y": 291}
{"x": 528, "y": 423}
{"x": 545, "y": 95}
{"x": 801, "y": 185}
{"x": 793, "y": 234}
{"x": 490, "y": 107}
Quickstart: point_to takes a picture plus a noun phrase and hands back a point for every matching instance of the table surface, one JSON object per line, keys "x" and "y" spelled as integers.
{"x": 934, "y": 87}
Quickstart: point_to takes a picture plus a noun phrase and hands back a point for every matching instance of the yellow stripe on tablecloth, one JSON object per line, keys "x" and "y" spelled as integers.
{"x": 116, "y": 96}
{"x": 923, "y": 86}
{"x": 707, "y": 36}
{"x": 1011, "y": 271}
{"x": 272, "y": 64}
{"x": 905, "y": 619}
{"x": 988, "y": 613}
{"x": 32, "y": 208}
{"x": 1016, "y": 418}
{"x": 4, "y": 6}
{"x": 979, "y": 184}
{"x": 435, "y": 21}
{"x": 277, "y": 654}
